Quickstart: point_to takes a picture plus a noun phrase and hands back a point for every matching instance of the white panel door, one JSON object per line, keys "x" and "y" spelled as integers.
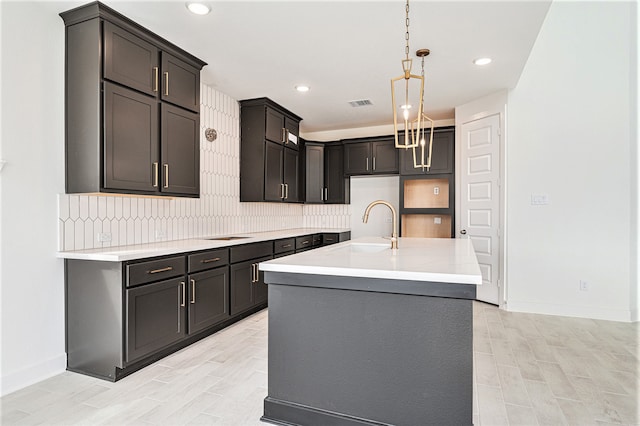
{"x": 480, "y": 199}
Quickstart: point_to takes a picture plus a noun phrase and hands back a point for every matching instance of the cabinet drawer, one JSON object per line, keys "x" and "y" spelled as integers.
{"x": 317, "y": 240}
{"x": 330, "y": 239}
{"x": 281, "y": 246}
{"x": 155, "y": 270}
{"x": 251, "y": 251}
{"x": 208, "y": 259}
{"x": 304, "y": 242}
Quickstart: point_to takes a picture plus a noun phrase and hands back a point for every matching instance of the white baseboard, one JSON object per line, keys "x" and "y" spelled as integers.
{"x": 33, "y": 374}
{"x": 593, "y": 312}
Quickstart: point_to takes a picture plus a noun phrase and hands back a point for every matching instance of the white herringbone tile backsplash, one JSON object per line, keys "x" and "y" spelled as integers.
{"x": 137, "y": 220}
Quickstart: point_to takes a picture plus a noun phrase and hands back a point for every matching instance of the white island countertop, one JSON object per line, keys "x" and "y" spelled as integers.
{"x": 441, "y": 260}
{"x": 141, "y": 251}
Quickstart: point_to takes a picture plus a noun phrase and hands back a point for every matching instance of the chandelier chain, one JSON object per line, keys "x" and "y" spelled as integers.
{"x": 406, "y": 34}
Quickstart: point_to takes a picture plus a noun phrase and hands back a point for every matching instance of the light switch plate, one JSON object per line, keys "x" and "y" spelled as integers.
{"x": 539, "y": 199}
{"x": 103, "y": 237}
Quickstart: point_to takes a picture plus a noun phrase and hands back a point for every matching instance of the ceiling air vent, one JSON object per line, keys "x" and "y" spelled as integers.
{"x": 360, "y": 103}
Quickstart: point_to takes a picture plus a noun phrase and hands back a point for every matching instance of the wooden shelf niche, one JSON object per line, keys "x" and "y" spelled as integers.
{"x": 426, "y": 225}
{"x": 426, "y": 194}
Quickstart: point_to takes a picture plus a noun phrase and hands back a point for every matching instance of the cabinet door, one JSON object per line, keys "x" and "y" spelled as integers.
{"x": 260, "y": 287}
{"x": 180, "y": 151}
{"x": 155, "y": 317}
{"x": 357, "y": 158}
{"x": 208, "y": 298}
{"x": 385, "y": 157}
{"x": 274, "y": 126}
{"x": 242, "y": 277}
{"x": 131, "y": 140}
{"x": 291, "y": 175}
{"x": 129, "y": 60}
{"x": 293, "y": 127}
{"x": 441, "y": 156}
{"x": 314, "y": 173}
{"x": 273, "y": 165}
{"x": 335, "y": 182}
{"x": 180, "y": 83}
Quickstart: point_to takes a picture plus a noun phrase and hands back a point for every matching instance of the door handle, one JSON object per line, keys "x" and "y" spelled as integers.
{"x": 284, "y": 135}
{"x": 374, "y": 163}
{"x": 367, "y": 163}
{"x": 286, "y": 191}
{"x": 326, "y": 194}
{"x": 182, "y": 299}
{"x": 166, "y": 175}
{"x": 193, "y": 291}
{"x": 155, "y": 174}
{"x": 155, "y": 75}
{"x": 463, "y": 231}
{"x": 166, "y": 87}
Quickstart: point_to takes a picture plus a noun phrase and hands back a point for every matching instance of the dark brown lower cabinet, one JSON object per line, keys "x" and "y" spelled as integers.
{"x": 247, "y": 285}
{"x": 208, "y": 298}
{"x": 155, "y": 317}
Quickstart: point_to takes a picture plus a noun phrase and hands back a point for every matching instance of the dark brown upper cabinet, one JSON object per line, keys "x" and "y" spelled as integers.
{"x": 370, "y": 156}
{"x": 132, "y": 103}
{"x": 269, "y": 152}
{"x": 442, "y": 154}
{"x": 325, "y": 182}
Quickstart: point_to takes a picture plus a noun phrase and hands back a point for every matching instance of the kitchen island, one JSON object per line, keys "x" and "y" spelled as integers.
{"x": 363, "y": 334}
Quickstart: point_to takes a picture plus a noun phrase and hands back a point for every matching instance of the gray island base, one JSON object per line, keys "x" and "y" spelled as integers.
{"x": 347, "y": 350}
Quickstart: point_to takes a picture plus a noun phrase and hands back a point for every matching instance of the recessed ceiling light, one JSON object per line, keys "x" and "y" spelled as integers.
{"x": 198, "y": 8}
{"x": 482, "y": 61}
{"x": 302, "y": 88}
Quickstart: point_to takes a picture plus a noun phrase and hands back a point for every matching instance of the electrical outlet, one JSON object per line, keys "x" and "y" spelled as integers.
{"x": 160, "y": 234}
{"x": 584, "y": 286}
{"x": 103, "y": 237}
{"x": 539, "y": 199}
{"x": 437, "y": 220}
{"x": 436, "y": 190}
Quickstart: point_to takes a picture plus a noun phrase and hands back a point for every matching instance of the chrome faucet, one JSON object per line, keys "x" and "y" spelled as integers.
{"x": 394, "y": 233}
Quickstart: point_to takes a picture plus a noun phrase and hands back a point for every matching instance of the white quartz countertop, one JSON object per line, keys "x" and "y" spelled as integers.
{"x": 141, "y": 251}
{"x": 418, "y": 259}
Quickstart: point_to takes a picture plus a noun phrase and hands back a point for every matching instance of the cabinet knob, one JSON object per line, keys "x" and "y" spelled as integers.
{"x": 463, "y": 231}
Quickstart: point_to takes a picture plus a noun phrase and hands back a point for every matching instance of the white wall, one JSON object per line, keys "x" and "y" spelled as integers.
{"x": 32, "y": 138}
{"x": 364, "y": 190}
{"x": 571, "y": 128}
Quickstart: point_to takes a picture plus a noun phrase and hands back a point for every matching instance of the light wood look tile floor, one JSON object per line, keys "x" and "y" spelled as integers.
{"x": 528, "y": 370}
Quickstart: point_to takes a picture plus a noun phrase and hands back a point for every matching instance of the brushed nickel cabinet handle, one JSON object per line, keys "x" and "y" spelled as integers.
{"x": 182, "y": 300}
{"x": 166, "y": 84}
{"x": 155, "y": 174}
{"x": 155, "y": 74}
{"x": 304, "y": 242}
{"x": 326, "y": 194}
{"x": 282, "y": 190}
{"x": 155, "y": 271}
{"x": 286, "y": 191}
{"x": 284, "y": 135}
{"x": 286, "y": 246}
{"x": 166, "y": 175}
{"x": 328, "y": 240}
{"x": 215, "y": 259}
{"x": 367, "y": 163}
{"x": 193, "y": 291}
{"x": 374, "y": 163}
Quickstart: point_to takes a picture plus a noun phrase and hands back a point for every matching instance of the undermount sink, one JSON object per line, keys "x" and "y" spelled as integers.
{"x": 364, "y": 248}
{"x": 226, "y": 238}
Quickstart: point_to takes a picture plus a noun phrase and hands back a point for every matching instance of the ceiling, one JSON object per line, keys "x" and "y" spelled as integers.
{"x": 349, "y": 50}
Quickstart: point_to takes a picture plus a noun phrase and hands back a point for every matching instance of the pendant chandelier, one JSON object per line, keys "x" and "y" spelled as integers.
{"x": 420, "y": 126}
{"x": 409, "y": 102}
